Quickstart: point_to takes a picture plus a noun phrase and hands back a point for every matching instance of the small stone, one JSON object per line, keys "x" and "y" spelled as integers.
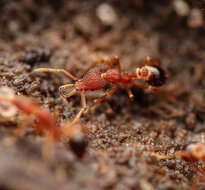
{"x": 6, "y": 91}
{"x": 190, "y": 120}
{"x": 145, "y": 185}
{"x": 181, "y": 7}
{"x": 6, "y": 108}
{"x": 195, "y": 18}
{"x": 106, "y": 14}
{"x": 172, "y": 150}
{"x": 83, "y": 24}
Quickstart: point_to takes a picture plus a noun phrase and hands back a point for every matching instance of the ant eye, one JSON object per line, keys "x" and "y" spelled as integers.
{"x": 157, "y": 77}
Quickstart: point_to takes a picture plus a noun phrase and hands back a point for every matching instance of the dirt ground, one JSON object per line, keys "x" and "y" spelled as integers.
{"x": 122, "y": 135}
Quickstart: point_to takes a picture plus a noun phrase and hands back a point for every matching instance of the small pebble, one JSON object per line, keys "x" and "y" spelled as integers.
{"x": 106, "y": 14}
{"x": 191, "y": 120}
{"x": 83, "y": 24}
{"x": 6, "y": 91}
{"x": 36, "y": 55}
{"x": 145, "y": 185}
{"x": 172, "y": 150}
{"x": 6, "y": 108}
{"x": 181, "y": 7}
{"x": 195, "y": 19}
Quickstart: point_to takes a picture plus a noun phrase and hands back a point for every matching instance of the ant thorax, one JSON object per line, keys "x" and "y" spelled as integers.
{"x": 112, "y": 76}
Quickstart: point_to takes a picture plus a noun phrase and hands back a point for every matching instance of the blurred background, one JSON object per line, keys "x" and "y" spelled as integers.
{"x": 73, "y": 35}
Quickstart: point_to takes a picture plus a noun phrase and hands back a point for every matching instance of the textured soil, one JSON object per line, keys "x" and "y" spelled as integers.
{"x": 122, "y": 135}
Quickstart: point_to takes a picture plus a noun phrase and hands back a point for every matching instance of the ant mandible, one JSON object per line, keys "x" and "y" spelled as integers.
{"x": 94, "y": 79}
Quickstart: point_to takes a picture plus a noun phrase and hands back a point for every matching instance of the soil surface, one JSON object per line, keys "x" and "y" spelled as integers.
{"x": 122, "y": 135}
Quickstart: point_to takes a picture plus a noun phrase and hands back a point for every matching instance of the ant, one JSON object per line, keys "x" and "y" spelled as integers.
{"x": 95, "y": 79}
{"x": 46, "y": 123}
{"x": 194, "y": 152}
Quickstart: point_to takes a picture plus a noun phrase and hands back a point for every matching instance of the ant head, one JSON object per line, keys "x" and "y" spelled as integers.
{"x": 151, "y": 73}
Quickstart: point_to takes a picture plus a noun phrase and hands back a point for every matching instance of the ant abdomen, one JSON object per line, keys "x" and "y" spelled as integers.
{"x": 157, "y": 76}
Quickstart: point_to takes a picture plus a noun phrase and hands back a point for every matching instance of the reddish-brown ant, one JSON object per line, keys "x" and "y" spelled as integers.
{"x": 193, "y": 153}
{"x": 46, "y": 123}
{"x": 95, "y": 79}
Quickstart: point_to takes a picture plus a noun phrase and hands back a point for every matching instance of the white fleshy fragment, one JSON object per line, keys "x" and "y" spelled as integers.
{"x": 6, "y": 92}
{"x": 106, "y": 14}
{"x": 181, "y": 7}
{"x": 7, "y": 109}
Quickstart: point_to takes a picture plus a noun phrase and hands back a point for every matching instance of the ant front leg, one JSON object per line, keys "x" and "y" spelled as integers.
{"x": 58, "y": 71}
{"x": 109, "y": 93}
{"x": 130, "y": 94}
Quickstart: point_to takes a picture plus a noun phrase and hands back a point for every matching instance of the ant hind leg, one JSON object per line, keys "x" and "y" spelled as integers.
{"x": 58, "y": 71}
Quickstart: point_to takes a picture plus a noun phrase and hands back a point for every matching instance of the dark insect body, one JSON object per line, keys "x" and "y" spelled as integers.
{"x": 95, "y": 79}
{"x": 45, "y": 121}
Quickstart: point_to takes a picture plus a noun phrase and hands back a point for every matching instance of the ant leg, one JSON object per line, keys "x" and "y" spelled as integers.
{"x": 98, "y": 100}
{"x": 58, "y": 71}
{"x": 62, "y": 89}
{"x": 145, "y": 87}
{"x": 148, "y": 60}
{"x": 83, "y": 102}
{"x": 116, "y": 61}
{"x": 162, "y": 156}
{"x": 105, "y": 60}
{"x": 131, "y": 96}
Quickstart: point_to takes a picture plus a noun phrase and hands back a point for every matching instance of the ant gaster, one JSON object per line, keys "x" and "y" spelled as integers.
{"x": 94, "y": 79}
